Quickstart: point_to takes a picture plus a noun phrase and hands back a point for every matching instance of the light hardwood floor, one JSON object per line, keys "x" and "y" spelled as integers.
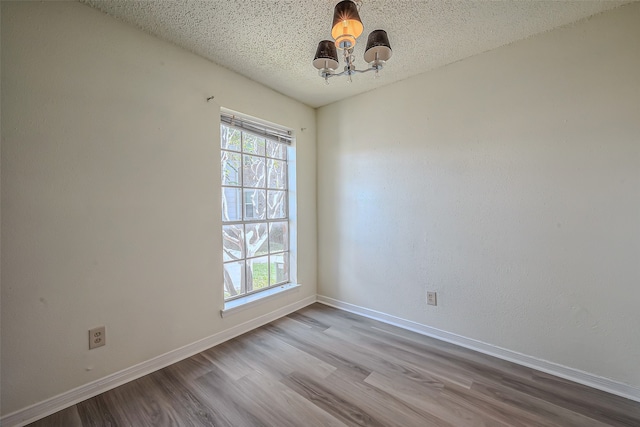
{"x": 325, "y": 367}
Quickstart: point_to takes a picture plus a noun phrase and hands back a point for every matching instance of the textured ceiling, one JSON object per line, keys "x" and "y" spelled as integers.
{"x": 273, "y": 42}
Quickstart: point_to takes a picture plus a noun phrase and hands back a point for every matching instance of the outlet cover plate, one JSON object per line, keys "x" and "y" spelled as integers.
{"x": 432, "y": 298}
{"x": 97, "y": 337}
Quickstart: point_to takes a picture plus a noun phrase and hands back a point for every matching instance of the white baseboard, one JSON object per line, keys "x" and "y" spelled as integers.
{"x": 581, "y": 377}
{"x": 64, "y": 400}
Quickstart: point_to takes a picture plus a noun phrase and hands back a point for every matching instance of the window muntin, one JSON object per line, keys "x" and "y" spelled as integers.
{"x": 255, "y": 212}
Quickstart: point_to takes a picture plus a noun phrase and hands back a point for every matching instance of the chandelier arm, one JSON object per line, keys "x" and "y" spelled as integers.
{"x": 372, "y": 68}
{"x": 342, "y": 73}
{"x": 364, "y": 71}
{"x": 328, "y": 74}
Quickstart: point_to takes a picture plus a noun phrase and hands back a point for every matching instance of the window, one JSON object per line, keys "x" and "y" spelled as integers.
{"x": 255, "y": 214}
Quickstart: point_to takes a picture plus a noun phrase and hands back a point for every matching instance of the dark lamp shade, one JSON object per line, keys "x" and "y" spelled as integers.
{"x": 346, "y": 21}
{"x": 377, "y": 43}
{"x": 326, "y": 56}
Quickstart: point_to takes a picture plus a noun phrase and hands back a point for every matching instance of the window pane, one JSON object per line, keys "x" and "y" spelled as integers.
{"x": 277, "y": 150}
{"x": 277, "y": 204}
{"x": 231, "y": 204}
{"x": 230, "y": 168}
{"x": 234, "y": 279}
{"x": 253, "y": 144}
{"x": 257, "y": 273}
{"x": 255, "y": 204}
{"x": 278, "y": 237}
{"x": 232, "y": 242}
{"x": 277, "y": 174}
{"x": 253, "y": 171}
{"x": 279, "y": 267}
{"x": 257, "y": 241}
{"x": 229, "y": 138}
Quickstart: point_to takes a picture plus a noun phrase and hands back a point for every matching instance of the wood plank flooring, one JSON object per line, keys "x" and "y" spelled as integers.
{"x": 325, "y": 367}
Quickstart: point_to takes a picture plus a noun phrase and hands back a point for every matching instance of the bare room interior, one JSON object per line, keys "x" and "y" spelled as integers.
{"x": 320, "y": 213}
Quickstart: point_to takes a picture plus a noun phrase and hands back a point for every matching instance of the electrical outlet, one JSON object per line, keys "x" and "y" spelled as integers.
{"x": 432, "y": 298}
{"x": 97, "y": 337}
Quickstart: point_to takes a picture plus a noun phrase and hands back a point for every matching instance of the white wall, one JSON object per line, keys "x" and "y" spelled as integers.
{"x": 510, "y": 184}
{"x": 111, "y": 206}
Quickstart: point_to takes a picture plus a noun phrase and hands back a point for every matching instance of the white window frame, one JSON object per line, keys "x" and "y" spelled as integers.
{"x": 276, "y": 134}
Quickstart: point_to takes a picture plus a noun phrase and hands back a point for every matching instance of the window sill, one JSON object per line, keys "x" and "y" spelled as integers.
{"x": 241, "y": 304}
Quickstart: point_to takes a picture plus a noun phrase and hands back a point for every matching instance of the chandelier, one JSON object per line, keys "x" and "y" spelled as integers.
{"x": 347, "y": 27}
